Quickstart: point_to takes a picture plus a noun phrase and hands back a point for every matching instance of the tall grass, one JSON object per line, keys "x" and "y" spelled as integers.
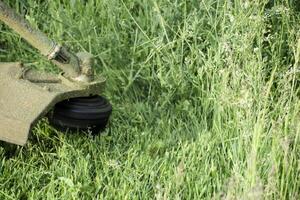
{"x": 205, "y": 96}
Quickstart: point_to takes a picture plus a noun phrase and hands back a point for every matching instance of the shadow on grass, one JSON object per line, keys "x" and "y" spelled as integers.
{"x": 8, "y": 150}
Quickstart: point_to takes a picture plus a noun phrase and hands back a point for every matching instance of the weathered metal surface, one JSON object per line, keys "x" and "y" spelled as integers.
{"x": 27, "y": 95}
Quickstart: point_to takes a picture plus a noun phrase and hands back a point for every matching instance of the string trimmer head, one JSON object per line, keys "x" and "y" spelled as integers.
{"x": 70, "y": 100}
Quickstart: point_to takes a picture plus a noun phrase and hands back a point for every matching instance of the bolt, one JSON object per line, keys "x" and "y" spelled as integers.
{"x": 47, "y": 89}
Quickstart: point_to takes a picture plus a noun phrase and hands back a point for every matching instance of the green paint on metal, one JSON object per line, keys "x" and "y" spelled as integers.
{"x": 27, "y": 95}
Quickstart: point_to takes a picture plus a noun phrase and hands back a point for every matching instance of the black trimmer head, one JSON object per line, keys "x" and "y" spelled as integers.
{"x": 81, "y": 114}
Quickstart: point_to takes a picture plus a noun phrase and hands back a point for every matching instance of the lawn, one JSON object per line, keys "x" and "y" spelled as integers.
{"x": 205, "y": 97}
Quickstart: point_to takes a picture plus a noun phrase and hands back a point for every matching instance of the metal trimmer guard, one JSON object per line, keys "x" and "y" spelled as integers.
{"x": 27, "y": 95}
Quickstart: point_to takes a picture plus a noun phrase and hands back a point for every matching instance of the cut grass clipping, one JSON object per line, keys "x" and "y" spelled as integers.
{"x": 205, "y": 95}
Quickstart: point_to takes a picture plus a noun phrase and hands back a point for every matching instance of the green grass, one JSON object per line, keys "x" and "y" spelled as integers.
{"x": 205, "y": 96}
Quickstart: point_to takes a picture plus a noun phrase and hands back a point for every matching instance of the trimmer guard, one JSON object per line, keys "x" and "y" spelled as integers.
{"x": 27, "y": 95}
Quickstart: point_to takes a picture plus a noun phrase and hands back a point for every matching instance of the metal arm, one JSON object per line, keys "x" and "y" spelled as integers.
{"x": 78, "y": 67}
